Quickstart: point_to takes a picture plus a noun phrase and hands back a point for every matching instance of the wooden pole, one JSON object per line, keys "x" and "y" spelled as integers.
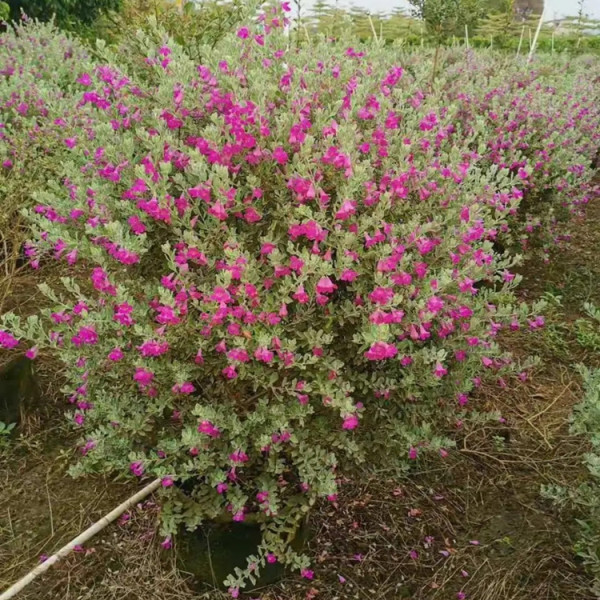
{"x": 114, "y": 514}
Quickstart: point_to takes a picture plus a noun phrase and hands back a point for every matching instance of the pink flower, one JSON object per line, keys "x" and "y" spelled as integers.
{"x": 239, "y": 456}
{"x": 264, "y": 355}
{"x": 350, "y": 422}
{"x": 209, "y": 429}
{"x": 32, "y": 353}
{"x": 152, "y": 348}
{"x": 326, "y": 286}
{"x": 435, "y": 304}
{"x": 381, "y": 351}
{"x": 348, "y": 275}
{"x": 238, "y": 354}
{"x": 8, "y": 341}
{"x": 280, "y": 155}
{"x": 143, "y": 376}
{"x": 167, "y": 544}
{"x": 218, "y": 210}
{"x": 413, "y": 453}
{"x": 439, "y": 370}
{"x": 85, "y": 79}
{"x": 347, "y": 209}
{"x": 243, "y": 33}
{"x": 136, "y": 224}
{"x": 229, "y": 372}
{"x": 115, "y": 354}
{"x": 137, "y": 468}
{"x": 300, "y": 295}
{"x": 167, "y": 482}
{"x": 271, "y": 558}
{"x": 381, "y": 295}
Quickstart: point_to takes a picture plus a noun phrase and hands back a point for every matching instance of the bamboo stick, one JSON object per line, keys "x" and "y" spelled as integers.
{"x": 521, "y": 40}
{"x": 90, "y": 532}
{"x": 373, "y": 28}
{"x": 535, "y": 38}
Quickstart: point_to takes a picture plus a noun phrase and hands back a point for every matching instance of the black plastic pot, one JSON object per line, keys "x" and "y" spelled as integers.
{"x": 214, "y": 550}
{"x": 19, "y": 389}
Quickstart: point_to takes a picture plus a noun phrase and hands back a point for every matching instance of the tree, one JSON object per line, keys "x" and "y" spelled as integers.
{"x": 68, "y": 13}
{"x": 444, "y": 18}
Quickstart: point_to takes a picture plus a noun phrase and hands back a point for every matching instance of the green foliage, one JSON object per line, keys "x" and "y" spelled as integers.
{"x": 71, "y": 14}
{"x": 6, "y": 430}
{"x": 4, "y": 11}
{"x": 587, "y": 331}
{"x": 584, "y": 499}
{"x": 197, "y": 26}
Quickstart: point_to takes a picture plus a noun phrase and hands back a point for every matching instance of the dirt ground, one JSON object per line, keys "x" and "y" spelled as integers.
{"x": 473, "y": 524}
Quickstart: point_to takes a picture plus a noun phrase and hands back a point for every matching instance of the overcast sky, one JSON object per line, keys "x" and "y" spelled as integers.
{"x": 554, "y": 8}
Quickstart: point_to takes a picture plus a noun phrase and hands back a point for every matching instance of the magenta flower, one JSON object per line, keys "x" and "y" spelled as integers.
{"x": 32, "y": 353}
{"x": 153, "y": 348}
{"x": 346, "y": 210}
{"x": 116, "y": 354}
{"x": 439, "y": 370}
{"x": 243, "y": 33}
{"x": 350, "y": 422}
{"x": 239, "y": 456}
{"x": 229, "y": 372}
{"x": 381, "y": 295}
{"x": 167, "y": 543}
{"x": 143, "y": 376}
{"x": 307, "y": 573}
{"x": 381, "y": 351}
{"x": 137, "y": 468}
{"x": 326, "y": 286}
{"x": 209, "y": 429}
{"x": 280, "y": 155}
{"x": 85, "y": 79}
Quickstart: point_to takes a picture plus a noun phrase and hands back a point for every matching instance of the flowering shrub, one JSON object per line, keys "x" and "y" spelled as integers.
{"x": 37, "y": 66}
{"x": 278, "y": 259}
